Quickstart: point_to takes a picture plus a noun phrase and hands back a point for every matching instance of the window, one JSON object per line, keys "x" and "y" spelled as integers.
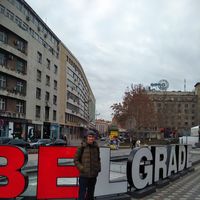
{"x": 18, "y": 21}
{"x": 2, "y": 59}
{"x": 54, "y": 99}
{"x": 2, "y": 9}
{"x": 70, "y": 72}
{"x": 18, "y": 5}
{"x": 46, "y": 113}
{"x": 32, "y": 32}
{"x": 2, "y": 104}
{"x": 24, "y": 26}
{"x": 19, "y": 86}
{"x": 10, "y": 15}
{"x": 186, "y": 123}
{"x": 20, "y": 45}
{"x": 37, "y": 111}
{"x": 48, "y": 64}
{"x": 54, "y": 115}
{"x": 39, "y": 57}
{"x": 47, "y": 96}
{"x": 39, "y": 75}
{"x": 20, "y": 66}
{"x": 3, "y": 37}
{"x": 2, "y": 81}
{"x": 55, "y": 69}
{"x": 47, "y": 80}
{"x": 55, "y": 84}
{"x": 20, "y": 107}
{"x": 38, "y": 93}
{"x": 37, "y": 37}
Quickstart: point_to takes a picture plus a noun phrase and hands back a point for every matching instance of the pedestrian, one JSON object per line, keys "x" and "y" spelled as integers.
{"x": 137, "y": 144}
{"x": 132, "y": 142}
{"x": 65, "y": 138}
{"x": 87, "y": 160}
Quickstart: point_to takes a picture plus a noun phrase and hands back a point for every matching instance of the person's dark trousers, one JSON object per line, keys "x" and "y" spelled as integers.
{"x": 86, "y": 188}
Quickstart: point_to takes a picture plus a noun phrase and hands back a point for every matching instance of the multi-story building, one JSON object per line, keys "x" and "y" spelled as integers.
{"x": 35, "y": 70}
{"x": 78, "y": 103}
{"x": 102, "y": 126}
{"x": 177, "y": 111}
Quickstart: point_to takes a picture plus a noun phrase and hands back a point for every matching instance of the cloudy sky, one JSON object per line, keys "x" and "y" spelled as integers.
{"x": 124, "y": 42}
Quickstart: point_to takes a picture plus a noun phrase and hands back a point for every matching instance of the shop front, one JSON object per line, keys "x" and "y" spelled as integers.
{"x": 34, "y": 130}
{"x": 13, "y": 127}
{"x": 54, "y": 131}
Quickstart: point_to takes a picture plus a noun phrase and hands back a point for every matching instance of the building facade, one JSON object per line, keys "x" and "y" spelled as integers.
{"x": 176, "y": 111}
{"x": 102, "y": 126}
{"x": 44, "y": 92}
{"x": 78, "y": 103}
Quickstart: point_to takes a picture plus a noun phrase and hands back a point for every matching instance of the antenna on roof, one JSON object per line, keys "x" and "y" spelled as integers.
{"x": 184, "y": 85}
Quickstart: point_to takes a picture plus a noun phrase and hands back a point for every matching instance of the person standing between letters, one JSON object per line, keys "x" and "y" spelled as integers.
{"x": 87, "y": 160}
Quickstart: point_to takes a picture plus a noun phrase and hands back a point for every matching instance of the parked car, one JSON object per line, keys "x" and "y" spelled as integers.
{"x": 57, "y": 142}
{"x": 19, "y": 142}
{"x": 40, "y": 142}
{"x": 4, "y": 140}
{"x": 103, "y": 138}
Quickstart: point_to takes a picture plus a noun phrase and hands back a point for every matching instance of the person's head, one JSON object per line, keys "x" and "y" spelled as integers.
{"x": 90, "y": 136}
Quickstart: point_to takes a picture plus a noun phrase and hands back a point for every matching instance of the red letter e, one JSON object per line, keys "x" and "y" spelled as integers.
{"x": 49, "y": 171}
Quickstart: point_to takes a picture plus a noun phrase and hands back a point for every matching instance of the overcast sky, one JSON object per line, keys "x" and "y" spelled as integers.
{"x": 124, "y": 42}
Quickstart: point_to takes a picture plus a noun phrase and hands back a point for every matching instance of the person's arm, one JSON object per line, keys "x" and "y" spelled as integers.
{"x": 77, "y": 159}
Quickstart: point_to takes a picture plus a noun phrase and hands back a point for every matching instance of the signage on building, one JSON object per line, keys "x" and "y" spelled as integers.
{"x": 161, "y": 85}
{"x": 145, "y": 166}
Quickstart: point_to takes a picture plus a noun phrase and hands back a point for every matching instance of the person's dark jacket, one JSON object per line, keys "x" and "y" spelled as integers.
{"x": 87, "y": 160}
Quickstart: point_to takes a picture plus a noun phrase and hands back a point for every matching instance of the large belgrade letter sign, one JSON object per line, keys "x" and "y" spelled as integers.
{"x": 17, "y": 182}
{"x": 48, "y": 172}
{"x": 145, "y": 166}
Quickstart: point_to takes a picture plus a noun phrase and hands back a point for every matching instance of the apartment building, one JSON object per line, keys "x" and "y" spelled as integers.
{"x": 177, "y": 111}
{"x": 35, "y": 79}
{"x": 78, "y": 104}
{"x": 102, "y": 126}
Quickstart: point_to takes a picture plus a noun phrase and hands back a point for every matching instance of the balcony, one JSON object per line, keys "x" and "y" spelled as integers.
{"x": 12, "y": 93}
{"x": 14, "y": 51}
{"x": 5, "y": 69}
